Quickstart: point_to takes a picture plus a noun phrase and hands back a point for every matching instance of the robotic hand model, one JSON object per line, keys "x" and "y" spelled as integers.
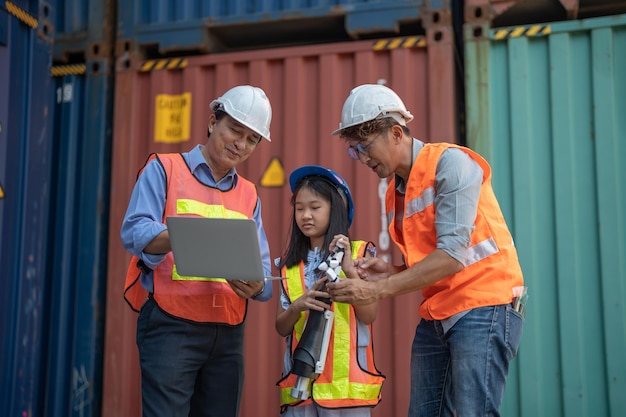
{"x": 309, "y": 357}
{"x": 332, "y": 265}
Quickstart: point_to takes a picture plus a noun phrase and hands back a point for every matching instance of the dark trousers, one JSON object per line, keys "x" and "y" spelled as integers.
{"x": 188, "y": 369}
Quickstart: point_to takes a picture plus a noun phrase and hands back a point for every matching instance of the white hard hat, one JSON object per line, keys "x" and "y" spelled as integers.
{"x": 249, "y": 106}
{"x": 372, "y": 101}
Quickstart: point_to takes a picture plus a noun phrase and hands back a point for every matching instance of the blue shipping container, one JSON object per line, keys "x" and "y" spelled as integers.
{"x": 166, "y": 26}
{"x": 25, "y": 166}
{"x": 83, "y": 30}
{"x": 55, "y": 136}
{"x": 78, "y": 239}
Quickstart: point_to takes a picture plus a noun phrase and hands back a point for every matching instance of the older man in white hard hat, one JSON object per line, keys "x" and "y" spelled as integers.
{"x": 457, "y": 249}
{"x": 190, "y": 330}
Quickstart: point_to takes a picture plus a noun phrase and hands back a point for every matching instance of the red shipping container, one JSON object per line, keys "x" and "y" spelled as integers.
{"x": 307, "y": 87}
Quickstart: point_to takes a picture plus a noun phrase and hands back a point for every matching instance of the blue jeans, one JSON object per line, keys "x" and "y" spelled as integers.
{"x": 464, "y": 371}
{"x": 188, "y": 369}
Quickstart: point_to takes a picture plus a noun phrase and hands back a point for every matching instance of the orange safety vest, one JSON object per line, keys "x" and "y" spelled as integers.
{"x": 343, "y": 383}
{"x": 207, "y": 300}
{"x": 491, "y": 268}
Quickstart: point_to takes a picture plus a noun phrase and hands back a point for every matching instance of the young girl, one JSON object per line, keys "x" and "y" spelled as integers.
{"x": 350, "y": 384}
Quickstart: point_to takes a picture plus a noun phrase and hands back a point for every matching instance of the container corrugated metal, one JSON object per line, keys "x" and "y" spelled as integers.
{"x": 169, "y": 26}
{"x": 79, "y": 230}
{"x": 25, "y": 165}
{"x": 307, "y": 87}
{"x": 79, "y": 207}
{"x": 83, "y": 30}
{"x": 548, "y": 112}
{"x": 521, "y": 12}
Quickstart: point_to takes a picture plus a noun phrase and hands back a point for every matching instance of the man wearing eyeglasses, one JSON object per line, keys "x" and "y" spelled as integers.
{"x": 457, "y": 249}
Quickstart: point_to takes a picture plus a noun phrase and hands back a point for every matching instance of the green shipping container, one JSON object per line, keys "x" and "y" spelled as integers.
{"x": 546, "y": 105}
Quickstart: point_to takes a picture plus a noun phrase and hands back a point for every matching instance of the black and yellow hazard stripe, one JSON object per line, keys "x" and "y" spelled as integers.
{"x": 63, "y": 70}
{"x": 159, "y": 64}
{"x": 401, "y": 42}
{"x": 519, "y": 31}
{"x": 21, "y": 14}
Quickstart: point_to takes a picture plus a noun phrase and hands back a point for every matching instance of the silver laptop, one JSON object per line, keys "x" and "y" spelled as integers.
{"x": 216, "y": 248}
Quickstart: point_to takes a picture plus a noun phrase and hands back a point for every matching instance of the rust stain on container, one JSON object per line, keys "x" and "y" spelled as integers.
{"x": 307, "y": 87}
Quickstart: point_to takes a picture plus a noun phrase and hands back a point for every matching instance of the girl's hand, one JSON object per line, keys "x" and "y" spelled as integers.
{"x": 309, "y": 300}
{"x": 347, "y": 263}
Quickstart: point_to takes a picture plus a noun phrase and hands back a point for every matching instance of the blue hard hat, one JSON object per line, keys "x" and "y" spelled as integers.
{"x": 316, "y": 170}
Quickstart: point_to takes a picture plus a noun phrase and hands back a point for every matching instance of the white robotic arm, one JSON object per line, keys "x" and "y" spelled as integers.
{"x": 309, "y": 357}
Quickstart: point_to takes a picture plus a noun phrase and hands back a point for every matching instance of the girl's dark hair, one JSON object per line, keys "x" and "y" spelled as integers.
{"x": 298, "y": 247}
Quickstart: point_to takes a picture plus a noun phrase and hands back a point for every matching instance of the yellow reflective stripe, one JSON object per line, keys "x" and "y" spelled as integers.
{"x": 336, "y": 391}
{"x": 296, "y": 291}
{"x": 177, "y": 277}
{"x": 286, "y": 398}
{"x": 187, "y": 206}
{"x": 342, "y": 343}
{"x": 347, "y": 390}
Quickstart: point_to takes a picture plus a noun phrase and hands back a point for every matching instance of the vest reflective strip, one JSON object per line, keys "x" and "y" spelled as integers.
{"x": 480, "y": 251}
{"x": 420, "y": 203}
{"x": 341, "y": 356}
{"x": 186, "y": 206}
{"x": 350, "y": 390}
{"x": 295, "y": 292}
{"x": 177, "y": 277}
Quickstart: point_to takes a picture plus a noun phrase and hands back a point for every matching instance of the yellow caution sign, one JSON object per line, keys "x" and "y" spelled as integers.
{"x": 1, "y": 192}
{"x": 274, "y": 175}
{"x": 172, "y": 118}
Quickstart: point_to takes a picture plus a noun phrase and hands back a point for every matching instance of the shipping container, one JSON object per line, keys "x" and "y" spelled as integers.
{"x": 547, "y": 109}
{"x": 520, "y": 12}
{"x": 157, "y": 28}
{"x": 307, "y": 87}
{"x": 79, "y": 216}
{"x": 55, "y": 139}
{"x": 25, "y": 166}
{"x": 84, "y": 30}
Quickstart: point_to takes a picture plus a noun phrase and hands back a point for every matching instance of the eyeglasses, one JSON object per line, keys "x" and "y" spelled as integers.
{"x": 355, "y": 151}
